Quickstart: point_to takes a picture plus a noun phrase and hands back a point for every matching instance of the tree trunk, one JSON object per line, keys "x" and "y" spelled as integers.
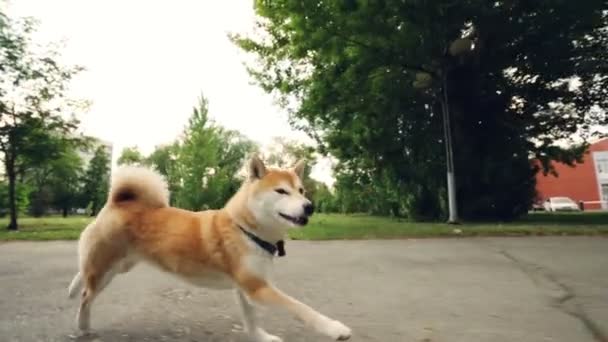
{"x": 12, "y": 200}
{"x": 65, "y": 212}
{"x": 93, "y": 209}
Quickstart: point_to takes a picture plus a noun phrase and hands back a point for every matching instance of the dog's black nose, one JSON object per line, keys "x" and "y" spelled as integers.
{"x": 309, "y": 209}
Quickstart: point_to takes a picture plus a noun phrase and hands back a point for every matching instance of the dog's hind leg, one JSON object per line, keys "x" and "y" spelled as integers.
{"x": 98, "y": 267}
{"x": 94, "y": 284}
{"x": 250, "y": 321}
{"x": 84, "y": 311}
{"x": 75, "y": 285}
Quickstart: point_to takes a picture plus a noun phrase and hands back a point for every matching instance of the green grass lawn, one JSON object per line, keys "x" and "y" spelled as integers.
{"x": 45, "y": 228}
{"x": 336, "y": 226}
{"x": 333, "y": 226}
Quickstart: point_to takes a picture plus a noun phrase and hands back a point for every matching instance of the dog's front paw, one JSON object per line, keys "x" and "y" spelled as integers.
{"x": 260, "y": 335}
{"x": 337, "y": 330}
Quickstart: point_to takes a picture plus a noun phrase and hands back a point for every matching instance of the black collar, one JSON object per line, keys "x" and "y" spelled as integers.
{"x": 267, "y": 246}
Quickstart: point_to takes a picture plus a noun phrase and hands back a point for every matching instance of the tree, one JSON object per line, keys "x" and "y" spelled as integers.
{"x": 54, "y": 182}
{"x": 130, "y": 155}
{"x": 65, "y": 181}
{"x": 232, "y": 152}
{"x": 369, "y": 78}
{"x": 202, "y": 166}
{"x": 284, "y": 152}
{"x": 33, "y": 105}
{"x": 163, "y": 159}
{"x": 196, "y": 158}
{"x": 324, "y": 200}
{"x": 208, "y": 160}
{"x": 96, "y": 180}
{"x": 22, "y": 193}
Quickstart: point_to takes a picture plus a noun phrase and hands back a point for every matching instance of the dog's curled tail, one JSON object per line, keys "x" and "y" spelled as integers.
{"x": 139, "y": 184}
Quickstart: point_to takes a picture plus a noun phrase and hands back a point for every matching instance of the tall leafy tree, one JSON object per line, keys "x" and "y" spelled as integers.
{"x": 163, "y": 159}
{"x": 196, "y": 157}
{"x": 130, "y": 156}
{"x": 369, "y": 79}
{"x": 285, "y": 152}
{"x": 66, "y": 181}
{"x": 22, "y": 201}
{"x": 54, "y": 182}
{"x": 232, "y": 152}
{"x": 96, "y": 180}
{"x": 208, "y": 160}
{"x": 34, "y": 111}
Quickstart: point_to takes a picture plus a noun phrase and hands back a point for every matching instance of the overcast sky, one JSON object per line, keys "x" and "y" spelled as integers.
{"x": 148, "y": 61}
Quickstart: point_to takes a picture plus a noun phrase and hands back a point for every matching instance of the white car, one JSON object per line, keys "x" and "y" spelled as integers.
{"x": 560, "y": 204}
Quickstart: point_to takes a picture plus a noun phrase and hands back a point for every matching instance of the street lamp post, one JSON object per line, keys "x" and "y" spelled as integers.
{"x": 458, "y": 48}
{"x": 449, "y": 154}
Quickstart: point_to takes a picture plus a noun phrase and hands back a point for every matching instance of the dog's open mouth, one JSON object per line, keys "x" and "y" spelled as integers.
{"x": 300, "y": 221}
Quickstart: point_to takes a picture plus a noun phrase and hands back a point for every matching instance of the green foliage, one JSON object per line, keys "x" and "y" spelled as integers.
{"x": 22, "y": 198}
{"x": 55, "y": 183}
{"x": 33, "y": 105}
{"x": 225, "y": 181}
{"x": 324, "y": 200}
{"x": 89, "y": 209}
{"x": 284, "y": 152}
{"x": 66, "y": 181}
{"x": 96, "y": 180}
{"x": 208, "y": 160}
{"x": 360, "y": 189}
{"x": 163, "y": 159}
{"x": 40, "y": 200}
{"x": 200, "y": 167}
{"x": 196, "y": 158}
{"x": 367, "y": 76}
{"x": 130, "y": 156}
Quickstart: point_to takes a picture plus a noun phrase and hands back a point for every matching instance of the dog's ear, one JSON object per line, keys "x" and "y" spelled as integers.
{"x": 257, "y": 169}
{"x": 299, "y": 168}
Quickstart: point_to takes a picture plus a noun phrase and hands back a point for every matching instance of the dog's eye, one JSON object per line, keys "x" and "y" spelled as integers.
{"x": 301, "y": 191}
{"x": 282, "y": 191}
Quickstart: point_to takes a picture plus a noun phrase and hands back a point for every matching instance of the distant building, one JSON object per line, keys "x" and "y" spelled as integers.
{"x": 586, "y": 182}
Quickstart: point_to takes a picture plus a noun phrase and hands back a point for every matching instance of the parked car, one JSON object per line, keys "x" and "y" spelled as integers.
{"x": 560, "y": 204}
{"x": 538, "y": 206}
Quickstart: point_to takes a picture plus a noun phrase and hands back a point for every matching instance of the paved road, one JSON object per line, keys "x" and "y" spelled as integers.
{"x": 499, "y": 289}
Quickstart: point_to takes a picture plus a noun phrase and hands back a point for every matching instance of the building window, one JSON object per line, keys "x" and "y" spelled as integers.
{"x": 602, "y": 166}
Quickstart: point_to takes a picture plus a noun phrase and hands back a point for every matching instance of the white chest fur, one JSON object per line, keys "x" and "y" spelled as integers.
{"x": 258, "y": 261}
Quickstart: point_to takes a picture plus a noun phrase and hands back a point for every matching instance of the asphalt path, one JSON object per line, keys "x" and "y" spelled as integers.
{"x": 478, "y": 289}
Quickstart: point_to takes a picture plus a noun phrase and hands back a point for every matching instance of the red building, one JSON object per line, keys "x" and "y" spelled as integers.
{"x": 587, "y": 182}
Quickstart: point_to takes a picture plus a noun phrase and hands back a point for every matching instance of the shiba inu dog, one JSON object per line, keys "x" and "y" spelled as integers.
{"x": 229, "y": 248}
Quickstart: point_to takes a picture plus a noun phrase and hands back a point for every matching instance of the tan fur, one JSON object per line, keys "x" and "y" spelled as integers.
{"x": 206, "y": 248}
